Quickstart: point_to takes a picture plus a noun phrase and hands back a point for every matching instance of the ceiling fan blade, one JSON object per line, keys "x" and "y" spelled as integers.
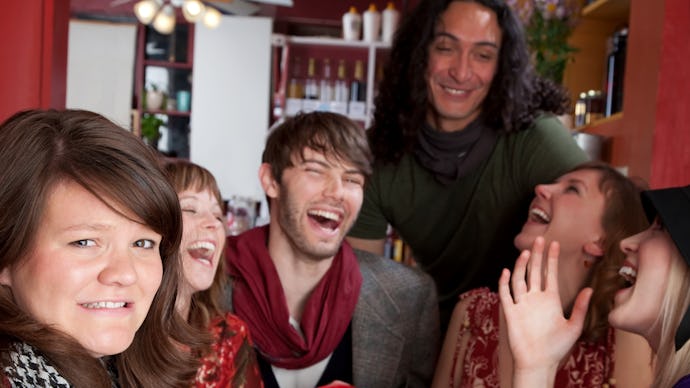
{"x": 234, "y": 7}
{"x": 117, "y": 3}
{"x": 285, "y": 3}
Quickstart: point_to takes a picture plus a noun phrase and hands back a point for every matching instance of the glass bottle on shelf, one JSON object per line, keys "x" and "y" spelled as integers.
{"x": 357, "y": 104}
{"x": 311, "y": 88}
{"x": 341, "y": 89}
{"x": 581, "y": 110}
{"x": 296, "y": 89}
{"x": 358, "y": 89}
{"x": 311, "y": 101}
{"x": 340, "y": 92}
{"x": 615, "y": 68}
{"x": 326, "y": 84}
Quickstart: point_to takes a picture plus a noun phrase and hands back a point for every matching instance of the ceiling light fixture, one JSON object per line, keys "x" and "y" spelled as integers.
{"x": 212, "y": 17}
{"x": 162, "y": 13}
{"x": 146, "y": 10}
{"x": 193, "y": 10}
{"x": 164, "y": 22}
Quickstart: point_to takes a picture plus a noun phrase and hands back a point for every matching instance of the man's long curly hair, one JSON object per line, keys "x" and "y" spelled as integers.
{"x": 515, "y": 98}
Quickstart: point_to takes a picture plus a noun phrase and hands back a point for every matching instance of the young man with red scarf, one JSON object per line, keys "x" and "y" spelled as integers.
{"x": 318, "y": 310}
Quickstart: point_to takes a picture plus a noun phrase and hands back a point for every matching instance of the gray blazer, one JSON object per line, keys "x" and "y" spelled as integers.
{"x": 395, "y": 328}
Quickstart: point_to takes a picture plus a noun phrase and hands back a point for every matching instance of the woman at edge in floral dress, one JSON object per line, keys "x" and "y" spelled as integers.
{"x": 588, "y": 210}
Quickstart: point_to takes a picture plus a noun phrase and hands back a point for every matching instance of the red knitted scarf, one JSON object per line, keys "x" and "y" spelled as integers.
{"x": 258, "y": 298}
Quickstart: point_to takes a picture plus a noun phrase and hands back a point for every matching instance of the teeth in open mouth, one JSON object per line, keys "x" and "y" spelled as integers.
{"x": 325, "y": 214}
{"x": 104, "y": 305}
{"x": 541, "y": 215}
{"x": 454, "y": 91}
{"x": 628, "y": 273}
{"x": 203, "y": 245}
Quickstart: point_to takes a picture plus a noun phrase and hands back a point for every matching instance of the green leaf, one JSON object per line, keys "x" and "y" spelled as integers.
{"x": 548, "y": 41}
{"x": 150, "y": 126}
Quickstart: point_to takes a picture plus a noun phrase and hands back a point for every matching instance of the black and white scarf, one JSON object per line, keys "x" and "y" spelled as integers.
{"x": 30, "y": 369}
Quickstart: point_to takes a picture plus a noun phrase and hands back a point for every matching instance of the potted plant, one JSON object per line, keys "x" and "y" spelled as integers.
{"x": 154, "y": 98}
{"x": 548, "y": 24}
{"x": 150, "y": 129}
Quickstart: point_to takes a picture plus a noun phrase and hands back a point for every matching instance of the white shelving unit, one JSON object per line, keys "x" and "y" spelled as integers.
{"x": 281, "y": 40}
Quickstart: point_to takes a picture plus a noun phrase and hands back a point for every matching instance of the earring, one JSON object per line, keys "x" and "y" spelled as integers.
{"x": 588, "y": 263}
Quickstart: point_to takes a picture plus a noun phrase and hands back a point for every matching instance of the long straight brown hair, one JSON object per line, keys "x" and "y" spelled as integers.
{"x": 39, "y": 149}
{"x": 207, "y": 304}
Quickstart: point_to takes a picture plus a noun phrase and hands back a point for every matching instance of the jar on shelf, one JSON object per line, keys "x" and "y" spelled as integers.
{"x": 389, "y": 22}
{"x": 154, "y": 99}
{"x": 352, "y": 24}
{"x": 371, "y": 24}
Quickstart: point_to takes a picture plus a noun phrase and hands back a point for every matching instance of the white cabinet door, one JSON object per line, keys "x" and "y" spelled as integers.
{"x": 100, "y": 63}
{"x": 230, "y": 101}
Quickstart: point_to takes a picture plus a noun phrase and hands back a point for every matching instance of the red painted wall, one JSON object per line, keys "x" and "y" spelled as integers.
{"x": 33, "y": 70}
{"x": 634, "y": 148}
{"x": 671, "y": 149}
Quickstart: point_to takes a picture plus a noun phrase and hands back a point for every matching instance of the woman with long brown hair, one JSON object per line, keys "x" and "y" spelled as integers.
{"x": 89, "y": 242}
{"x": 230, "y": 361}
{"x": 653, "y": 301}
{"x": 588, "y": 210}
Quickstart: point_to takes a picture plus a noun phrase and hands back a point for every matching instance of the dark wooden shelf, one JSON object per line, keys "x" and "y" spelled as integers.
{"x": 616, "y": 10}
{"x": 169, "y": 65}
{"x": 168, "y": 112}
{"x": 177, "y": 69}
{"x": 597, "y": 126}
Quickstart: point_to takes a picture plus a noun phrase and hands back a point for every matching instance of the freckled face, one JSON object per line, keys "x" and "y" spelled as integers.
{"x": 91, "y": 273}
{"x": 202, "y": 240}
{"x": 463, "y": 58}
{"x": 569, "y": 211}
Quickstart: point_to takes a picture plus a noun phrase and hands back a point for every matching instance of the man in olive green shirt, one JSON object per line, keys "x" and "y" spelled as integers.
{"x": 460, "y": 139}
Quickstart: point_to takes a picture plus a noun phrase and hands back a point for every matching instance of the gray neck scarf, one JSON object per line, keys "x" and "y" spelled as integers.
{"x": 452, "y": 155}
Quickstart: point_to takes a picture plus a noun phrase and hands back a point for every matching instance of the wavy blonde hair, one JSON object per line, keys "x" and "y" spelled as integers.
{"x": 671, "y": 364}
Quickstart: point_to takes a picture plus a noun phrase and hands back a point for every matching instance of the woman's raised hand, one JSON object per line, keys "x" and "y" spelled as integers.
{"x": 539, "y": 335}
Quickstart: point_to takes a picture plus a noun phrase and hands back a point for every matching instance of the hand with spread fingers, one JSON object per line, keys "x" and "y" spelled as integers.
{"x": 539, "y": 335}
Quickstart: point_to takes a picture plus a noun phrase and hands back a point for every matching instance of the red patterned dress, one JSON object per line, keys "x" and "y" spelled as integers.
{"x": 588, "y": 365}
{"x": 232, "y": 361}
